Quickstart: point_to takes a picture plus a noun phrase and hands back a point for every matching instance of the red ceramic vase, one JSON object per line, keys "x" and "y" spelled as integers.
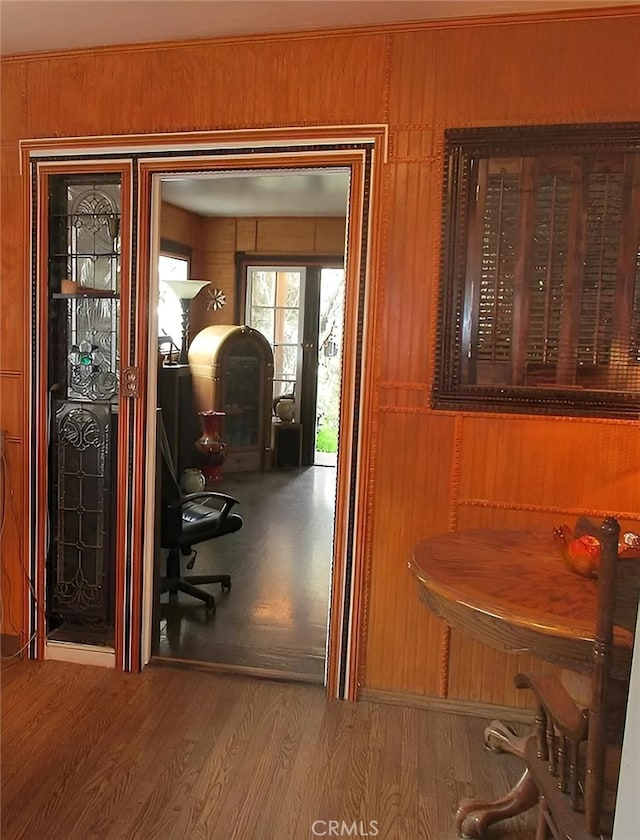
{"x": 211, "y": 447}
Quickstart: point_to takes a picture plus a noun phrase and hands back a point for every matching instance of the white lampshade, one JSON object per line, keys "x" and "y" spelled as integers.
{"x": 186, "y": 289}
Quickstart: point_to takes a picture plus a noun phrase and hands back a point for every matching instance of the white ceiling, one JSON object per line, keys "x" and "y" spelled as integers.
{"x": 37, "y": 25}
{"x": 305, "y": 193}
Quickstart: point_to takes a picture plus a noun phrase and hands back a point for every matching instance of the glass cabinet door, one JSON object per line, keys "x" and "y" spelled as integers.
{"x": 84, "y": 213}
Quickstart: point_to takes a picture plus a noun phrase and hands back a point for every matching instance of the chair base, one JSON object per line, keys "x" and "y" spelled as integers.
{"x": 173, "y": 585}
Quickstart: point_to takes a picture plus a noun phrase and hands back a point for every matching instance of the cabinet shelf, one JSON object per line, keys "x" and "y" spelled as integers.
{"x": 95, "y": 295}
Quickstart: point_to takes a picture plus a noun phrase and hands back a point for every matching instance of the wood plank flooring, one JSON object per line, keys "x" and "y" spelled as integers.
{"x": 275, "y": 617}
{"x": 173, "y": 754}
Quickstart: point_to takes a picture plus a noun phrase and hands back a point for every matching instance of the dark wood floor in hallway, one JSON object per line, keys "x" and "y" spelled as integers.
{"x": 173, "y": 754}
{"x": 275, "y": 617}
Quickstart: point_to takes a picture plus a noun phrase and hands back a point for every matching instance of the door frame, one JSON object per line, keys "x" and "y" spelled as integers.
{"x": 363, "y": 150}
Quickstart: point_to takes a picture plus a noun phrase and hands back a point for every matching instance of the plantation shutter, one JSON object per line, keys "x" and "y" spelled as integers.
{"x": 553, "y": 267}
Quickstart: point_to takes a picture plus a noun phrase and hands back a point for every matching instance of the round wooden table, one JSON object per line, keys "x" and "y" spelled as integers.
{"x": 512, "y": 591}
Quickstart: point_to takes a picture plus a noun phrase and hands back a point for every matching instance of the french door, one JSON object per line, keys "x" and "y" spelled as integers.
{"x": 275, "y": 306}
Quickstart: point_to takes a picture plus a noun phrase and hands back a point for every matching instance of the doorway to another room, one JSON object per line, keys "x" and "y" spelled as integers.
{"x": 274, "y": 619}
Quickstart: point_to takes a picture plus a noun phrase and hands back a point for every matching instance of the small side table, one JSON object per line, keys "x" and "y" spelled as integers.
{"x": 286, "y": 443}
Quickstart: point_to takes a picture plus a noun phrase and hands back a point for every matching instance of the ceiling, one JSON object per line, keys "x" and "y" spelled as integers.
{"x": 36, "y": 25}
{"x": 29, "y": 26}
{"x": 305, "y": 193}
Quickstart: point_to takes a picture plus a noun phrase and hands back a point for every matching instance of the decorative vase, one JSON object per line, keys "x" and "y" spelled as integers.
{"x": 192, "y": 481}
{"x": 210, "y": 445}
{"x": 284, "y": 409}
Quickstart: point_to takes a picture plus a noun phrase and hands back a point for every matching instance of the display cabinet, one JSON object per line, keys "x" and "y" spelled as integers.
{"x": 83, "y": 383}
{"x": 232, "y": 372}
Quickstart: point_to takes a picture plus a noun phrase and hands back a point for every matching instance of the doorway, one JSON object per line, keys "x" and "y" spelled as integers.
{"x": 275, "y": 619}
{"x": 142, "y": 160}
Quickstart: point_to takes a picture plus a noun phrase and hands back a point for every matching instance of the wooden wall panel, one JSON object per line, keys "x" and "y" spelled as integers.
{"x": 403, "y": 639}
{"x": 220, "y": 238}
{"x": 482, "y": 74}
{"x": 330, "y": 236}
{"x": 297, "y": 236}
{"x": 178, "y": 225}
{"x": 479, "y": 673}
{"x": 13, "y": 575}
{"x": 410, "y": 275}
{"x": 11, "y": 405}
{"x": 209, "y": 86}
{"x": 13, "y": 103}
{"x": 246, "y": 234}
{"x": 14, "y": 330}
{"x": 556, "y": 464}
{"x": 431, "y": 471}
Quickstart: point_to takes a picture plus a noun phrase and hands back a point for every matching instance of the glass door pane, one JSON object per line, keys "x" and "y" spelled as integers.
{"x": 83, "y": 383}
{"x": 275, "y": 307}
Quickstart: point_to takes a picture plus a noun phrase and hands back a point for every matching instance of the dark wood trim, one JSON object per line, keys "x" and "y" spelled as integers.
{"x": 454, "y": 386}
{"x": 246, "y": 258}
{"x": 177, "y": 249}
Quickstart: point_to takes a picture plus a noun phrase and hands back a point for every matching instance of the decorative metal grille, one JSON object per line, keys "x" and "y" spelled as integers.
{"x": 82, "y": 442}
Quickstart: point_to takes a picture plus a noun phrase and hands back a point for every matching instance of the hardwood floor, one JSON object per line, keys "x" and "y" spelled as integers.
{"x": 174, "y": 754}
{"x": 275, "y": 617}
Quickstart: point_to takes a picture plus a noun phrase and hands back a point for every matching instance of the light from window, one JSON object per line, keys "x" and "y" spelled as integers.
{"x": 169, "y": 306}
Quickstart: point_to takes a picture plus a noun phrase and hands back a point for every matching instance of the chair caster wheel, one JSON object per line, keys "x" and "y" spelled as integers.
{"x": 226, "y": 587}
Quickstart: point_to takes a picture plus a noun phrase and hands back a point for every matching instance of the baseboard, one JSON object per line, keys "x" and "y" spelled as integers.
{"x": 80, "y": 654}
{"x": 240, "y": 670}
{"x": 449, "y": 705}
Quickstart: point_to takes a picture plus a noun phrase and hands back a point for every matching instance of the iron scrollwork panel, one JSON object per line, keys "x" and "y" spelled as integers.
{"x": 82, "y": 441}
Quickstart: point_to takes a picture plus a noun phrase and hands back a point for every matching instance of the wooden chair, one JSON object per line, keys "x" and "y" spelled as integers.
{"x": 574, "y": 755}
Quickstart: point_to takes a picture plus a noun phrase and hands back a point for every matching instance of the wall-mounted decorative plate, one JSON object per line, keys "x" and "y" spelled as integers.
{"x": 217, "y": 299}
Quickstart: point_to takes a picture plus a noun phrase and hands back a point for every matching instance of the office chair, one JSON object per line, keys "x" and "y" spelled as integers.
{"x": 186, "y": 521}
{"x": 574, "y": 756}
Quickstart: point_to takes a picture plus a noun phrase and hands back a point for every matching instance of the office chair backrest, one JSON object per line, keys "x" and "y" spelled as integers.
{"x": 171, "y": 519}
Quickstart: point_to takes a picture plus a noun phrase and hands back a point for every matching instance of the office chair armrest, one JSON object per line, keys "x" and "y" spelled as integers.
{"x": 227, "y": 501}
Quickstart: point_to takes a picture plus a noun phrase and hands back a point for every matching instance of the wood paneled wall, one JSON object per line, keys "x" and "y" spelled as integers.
{"x": 216, "y": 240}
{"x": 432, "y": 471}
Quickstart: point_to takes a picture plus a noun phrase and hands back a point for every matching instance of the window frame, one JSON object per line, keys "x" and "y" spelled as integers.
{"x": 464, "y": 148}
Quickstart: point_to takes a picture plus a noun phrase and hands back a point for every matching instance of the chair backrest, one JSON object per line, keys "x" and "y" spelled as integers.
{"x": 171, "y": 521}
{"x": 618, "y": 591}
{"x": 571, "y": 756}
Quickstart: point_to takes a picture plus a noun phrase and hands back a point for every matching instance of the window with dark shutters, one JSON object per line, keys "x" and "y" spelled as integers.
{"x": 540, "y": 298}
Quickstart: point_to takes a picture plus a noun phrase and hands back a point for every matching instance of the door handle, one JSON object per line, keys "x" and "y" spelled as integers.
{"x": 131, "y": 382}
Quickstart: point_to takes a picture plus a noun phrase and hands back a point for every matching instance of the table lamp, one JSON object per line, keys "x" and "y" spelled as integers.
{"x": 186, "y": 290}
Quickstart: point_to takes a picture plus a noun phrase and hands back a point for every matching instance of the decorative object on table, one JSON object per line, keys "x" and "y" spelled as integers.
{"x": 217, "y": 299}
{"x": 192, "y": 481}
{"x": 581, "y": 548}
{"x": 210, "y": 445}
{"x": 186, "y": 290}
{"x": 284, "y": 408}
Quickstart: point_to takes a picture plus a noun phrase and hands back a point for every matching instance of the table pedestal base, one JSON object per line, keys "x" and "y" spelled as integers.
{"x": 499, "y": 737}
{"x": 474, "y": 816}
